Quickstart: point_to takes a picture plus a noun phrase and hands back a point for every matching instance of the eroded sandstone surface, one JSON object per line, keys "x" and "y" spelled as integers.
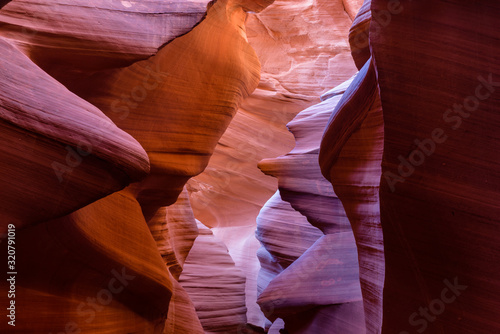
{"x": 249, "y": 166}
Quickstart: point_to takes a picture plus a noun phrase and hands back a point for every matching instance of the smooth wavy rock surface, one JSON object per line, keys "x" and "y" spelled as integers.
{"x": 71, "y": 38}
{"x": 185, "y": 95}
{"x": 334, "y": 268}
{"x": 284, "y": 235}
{"x": 284, "y": 232}
{"x": 350, "y": 157}
{"x": 296, "y": 294}
{"x": 176, "y": 104}
{"x": 355, "y": 166}
{"x": 299, "y": 175}
{"x": 66, "y": 151}
{"x": 326, "y": 274}
{"x": 359, "y": 35}
{"x": 312, "y": 59}
{"x": 174, "y": 229}
{"x": 214, "y": 284}
{"x": 440, "y": 185}
{"x": 89, "y": 272}
{"x": 182, "y": 317}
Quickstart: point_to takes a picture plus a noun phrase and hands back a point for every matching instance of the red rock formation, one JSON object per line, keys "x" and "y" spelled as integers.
{"x": 66, "y": 151}
{"x": 205, "y": 100}
{"x": 182, "y": 317}
{"x": 320, "y": 289}
{"x": 299, "y": 176}
{"x": 88, "y": 271}
{"x": 359, "y": 35}
{"x": 70, "y": 39}
{"x": 108, "y": 108}
{"x": 139, "y": 90}
{"x": 350, "y": 157}
{"x": 174, "y": 230}
{"x": 438, "y": 76}
{"x": 430, "y": 113}
{"x": 304, "y": 51}
{"x": 177, "y": 104}
{"x": 214, "y": 284}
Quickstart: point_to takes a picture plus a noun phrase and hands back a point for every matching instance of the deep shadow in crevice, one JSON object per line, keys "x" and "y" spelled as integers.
{"x": 4, "y": 2}
{"x": 209, "y": 5}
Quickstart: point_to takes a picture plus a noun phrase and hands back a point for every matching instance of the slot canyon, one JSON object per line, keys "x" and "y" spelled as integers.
{"x": 250, "y": 166}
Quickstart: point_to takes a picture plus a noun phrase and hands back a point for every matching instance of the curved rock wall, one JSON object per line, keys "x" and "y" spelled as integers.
{"x": 354, "y": 170}
{"x": 70, "y": 39}
{"x": 214, "y": 284}
{"x": 436, "y": 101}
{"x": 115, "y": 120}
{"x": 102, "y": 262}
{"x": 66, "y": 151}
{"x": 440, "y": 184}
{"x": 311, "y": 41}
{"x": 320, "y": 289}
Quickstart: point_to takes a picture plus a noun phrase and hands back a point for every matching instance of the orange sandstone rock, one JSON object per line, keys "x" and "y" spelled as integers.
{"x": 177, "y": 104}
{"x": 66, "y": 151}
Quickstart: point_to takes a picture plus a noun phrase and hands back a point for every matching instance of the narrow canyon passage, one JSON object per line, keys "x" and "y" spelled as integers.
{"x": 249, "y": 166}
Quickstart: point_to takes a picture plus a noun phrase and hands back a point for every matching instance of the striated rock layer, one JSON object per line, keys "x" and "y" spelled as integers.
{"x": 109, "y": 108}
{"x": 174, "y": 229}
{"x": 350, "y": 158}
{"x": 70, "y": 39}
{"x": 197, "y": 91}
{"x": 320, "y": 290}
{"x": 351, "y": 151}
{"x": 66, "y": 151}
{"x": 304, "y": 51}
{"x": 440, "y": 185}
{"x": 277, "y": 219}
{"x": 214, "y": 284}
{"x": 176, "y": 104}
{"x": 89, "y": 268}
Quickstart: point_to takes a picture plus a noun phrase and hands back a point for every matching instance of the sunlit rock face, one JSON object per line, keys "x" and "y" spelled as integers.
{"x": 214, "y": 284}
{"x": 70, "y": 39}
{"x": 185, "y": 98}
{"x": 100, "y": 268}
{"x": 172, "y": 81}
{"x": 320, "y": 288}
{"x": 350, "y": 157}
{"x": 367, "y": 208}
{"x": 304, "y": 51}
